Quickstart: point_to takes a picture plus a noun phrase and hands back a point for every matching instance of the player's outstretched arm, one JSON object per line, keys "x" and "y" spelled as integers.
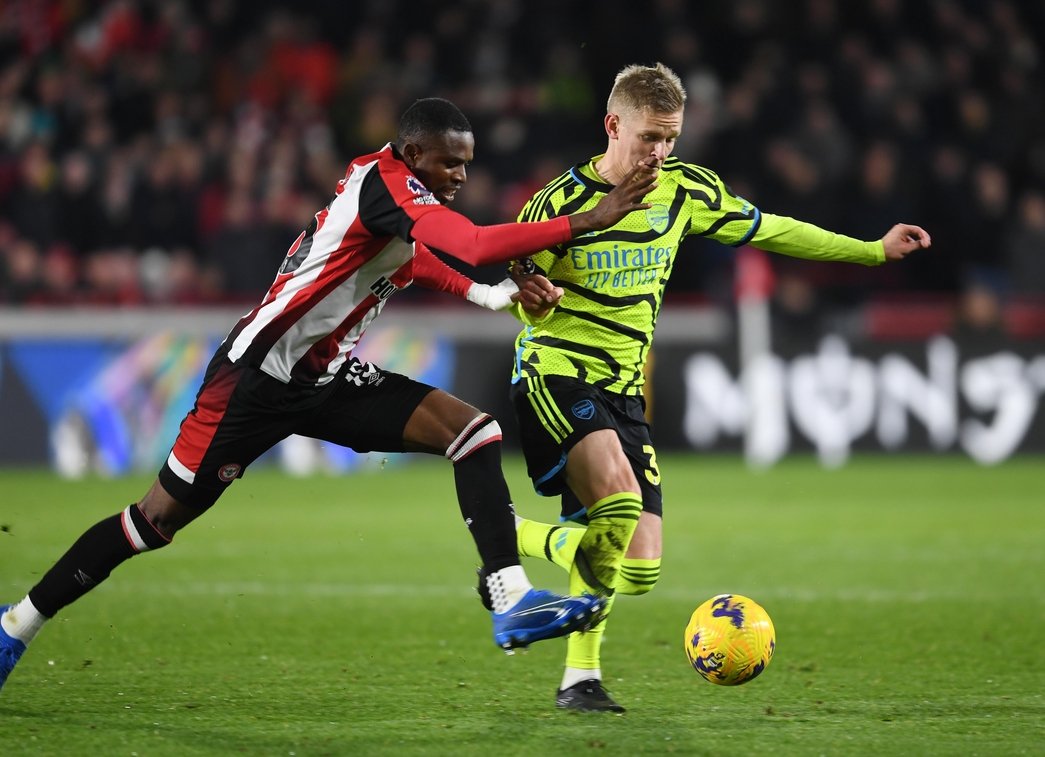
{"x": 480, "y": 245}
{"x": 800, "y": 239}
{"x": 533, "y": 293}
{"x": 903, "y": 239}
{"x": 536, "y": 295}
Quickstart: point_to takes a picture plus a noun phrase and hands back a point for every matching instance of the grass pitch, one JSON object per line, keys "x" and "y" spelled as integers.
{"x": 336, "y": 616}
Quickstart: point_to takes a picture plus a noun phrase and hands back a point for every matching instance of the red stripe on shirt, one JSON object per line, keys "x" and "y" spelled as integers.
{"x": 200, "y": 425}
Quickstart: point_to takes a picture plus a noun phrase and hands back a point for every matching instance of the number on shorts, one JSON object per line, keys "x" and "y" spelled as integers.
{"x": 652, "y": 472}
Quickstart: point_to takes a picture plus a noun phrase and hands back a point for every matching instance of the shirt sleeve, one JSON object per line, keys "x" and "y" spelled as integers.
{"x": 804, "y": 240}
{"x": 480, "y": 245}
{"x": 716, "y": 212}
{"x": 394, "y": 202}
{"x": 432, "y": 273}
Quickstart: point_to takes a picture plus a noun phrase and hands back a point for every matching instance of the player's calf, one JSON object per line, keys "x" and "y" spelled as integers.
{"x": 93, "y": 556}
{"x": 90, "y": 560}
{"x": 637, "y": 575}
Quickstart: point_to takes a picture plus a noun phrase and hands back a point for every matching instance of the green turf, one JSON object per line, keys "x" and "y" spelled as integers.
{"x": 336, "y": 616}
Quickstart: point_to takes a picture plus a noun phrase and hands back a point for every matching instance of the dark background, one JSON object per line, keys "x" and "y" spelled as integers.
{"x": 170, "y": 151}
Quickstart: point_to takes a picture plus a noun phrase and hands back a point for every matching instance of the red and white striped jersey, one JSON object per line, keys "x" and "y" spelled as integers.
{"x": 358, "y": 251}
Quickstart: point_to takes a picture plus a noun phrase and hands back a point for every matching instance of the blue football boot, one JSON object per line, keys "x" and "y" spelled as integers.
{"x": 11, "y": 650}
{"x": 543, "y": 615}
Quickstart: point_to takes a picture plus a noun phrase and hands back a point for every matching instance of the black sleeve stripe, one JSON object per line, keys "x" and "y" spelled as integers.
{"x": 543, "y": 198}
{"x": 539, "y": 207}
{"x": 752, "y": 231}
{"x": 575, "y": 203}
{"x": 706, "y": 176}
{"x": 705, "y": 180}
{"x": 713, "y": 203}
{"x": 531, "y": 211}
{"x": 378, "y": 210}
{"x": 724, "y": 219}
{"x": 697, "y": 174}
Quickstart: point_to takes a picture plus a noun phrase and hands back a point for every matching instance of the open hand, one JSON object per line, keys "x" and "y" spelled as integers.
{"x": 624, "y": 198}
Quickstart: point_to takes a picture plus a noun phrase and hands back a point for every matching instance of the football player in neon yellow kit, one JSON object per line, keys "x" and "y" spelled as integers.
{"x": 578, "y": 379}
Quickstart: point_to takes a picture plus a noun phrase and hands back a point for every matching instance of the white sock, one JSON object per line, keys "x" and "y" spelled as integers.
{"x": 507, "y": 586}
{"x": 573, "y": 676}
{"x": 23, "y": 621}
{"x": 518, "y": 520}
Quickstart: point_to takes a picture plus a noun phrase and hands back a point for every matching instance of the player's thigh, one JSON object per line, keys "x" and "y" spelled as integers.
{"x": 637, "y": 444}
{"x": 239, "y": 414}
{"x": 628, "y": 420}
{"x": 437, "y": 421}
{"x": 633, "y": 431}
{"x": 376, "y": 410}
{"x": 596, "y": 467}
{"x": 553, "y": 415}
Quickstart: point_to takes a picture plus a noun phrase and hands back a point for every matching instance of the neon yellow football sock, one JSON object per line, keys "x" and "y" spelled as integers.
{"x": 611, "y": 523}
{"x": 555, "y": 543}
{"x": 582, "y": 649}
{"x": 637, "y": 575}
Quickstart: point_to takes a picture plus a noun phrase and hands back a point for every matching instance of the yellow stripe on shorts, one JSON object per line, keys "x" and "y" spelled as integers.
{"x": 547, "y": 411}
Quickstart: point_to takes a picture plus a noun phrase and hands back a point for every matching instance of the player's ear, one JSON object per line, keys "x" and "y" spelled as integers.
{"x": 411, "y": 153}
{"x": 612, "y": 123}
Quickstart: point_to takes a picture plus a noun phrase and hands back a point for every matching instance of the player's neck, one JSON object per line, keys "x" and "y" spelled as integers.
{"x": 609, "y": 170}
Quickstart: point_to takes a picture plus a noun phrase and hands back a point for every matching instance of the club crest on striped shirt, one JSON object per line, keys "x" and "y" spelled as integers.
{"x": 658, "y": 218}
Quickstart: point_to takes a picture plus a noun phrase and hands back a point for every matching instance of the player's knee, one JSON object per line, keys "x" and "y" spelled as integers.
{"x": 480, "y": 432}
{"x": 141, "y": 532}
{"x": 161, "y": 515}
{"x": 637, "y": 576}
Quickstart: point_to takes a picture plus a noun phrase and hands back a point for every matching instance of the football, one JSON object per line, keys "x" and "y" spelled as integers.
{"x": 730, "y": 639}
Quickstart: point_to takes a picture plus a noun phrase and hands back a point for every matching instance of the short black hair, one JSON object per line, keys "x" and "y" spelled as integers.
{"x": 430, "y": 116}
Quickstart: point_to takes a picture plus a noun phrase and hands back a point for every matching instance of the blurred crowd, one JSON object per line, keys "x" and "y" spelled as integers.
{"x": 171, "y": 150}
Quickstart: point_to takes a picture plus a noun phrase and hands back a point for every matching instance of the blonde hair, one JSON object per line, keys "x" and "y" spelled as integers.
{"x": 654, "y": 88}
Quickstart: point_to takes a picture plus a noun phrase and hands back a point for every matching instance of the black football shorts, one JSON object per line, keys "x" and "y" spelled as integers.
{"x": 556, "y": 412}
{"x": 240, "y": 413}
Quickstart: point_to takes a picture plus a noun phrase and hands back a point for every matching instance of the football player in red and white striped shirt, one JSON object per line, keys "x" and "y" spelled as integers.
{"x": 287, "y": 368}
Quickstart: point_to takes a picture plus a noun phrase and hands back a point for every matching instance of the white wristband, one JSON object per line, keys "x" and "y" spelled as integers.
{"x": 496, "y": 297}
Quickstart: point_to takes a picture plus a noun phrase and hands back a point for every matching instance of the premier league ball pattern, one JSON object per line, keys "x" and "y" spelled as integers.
{"x": 730, "y": 639}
